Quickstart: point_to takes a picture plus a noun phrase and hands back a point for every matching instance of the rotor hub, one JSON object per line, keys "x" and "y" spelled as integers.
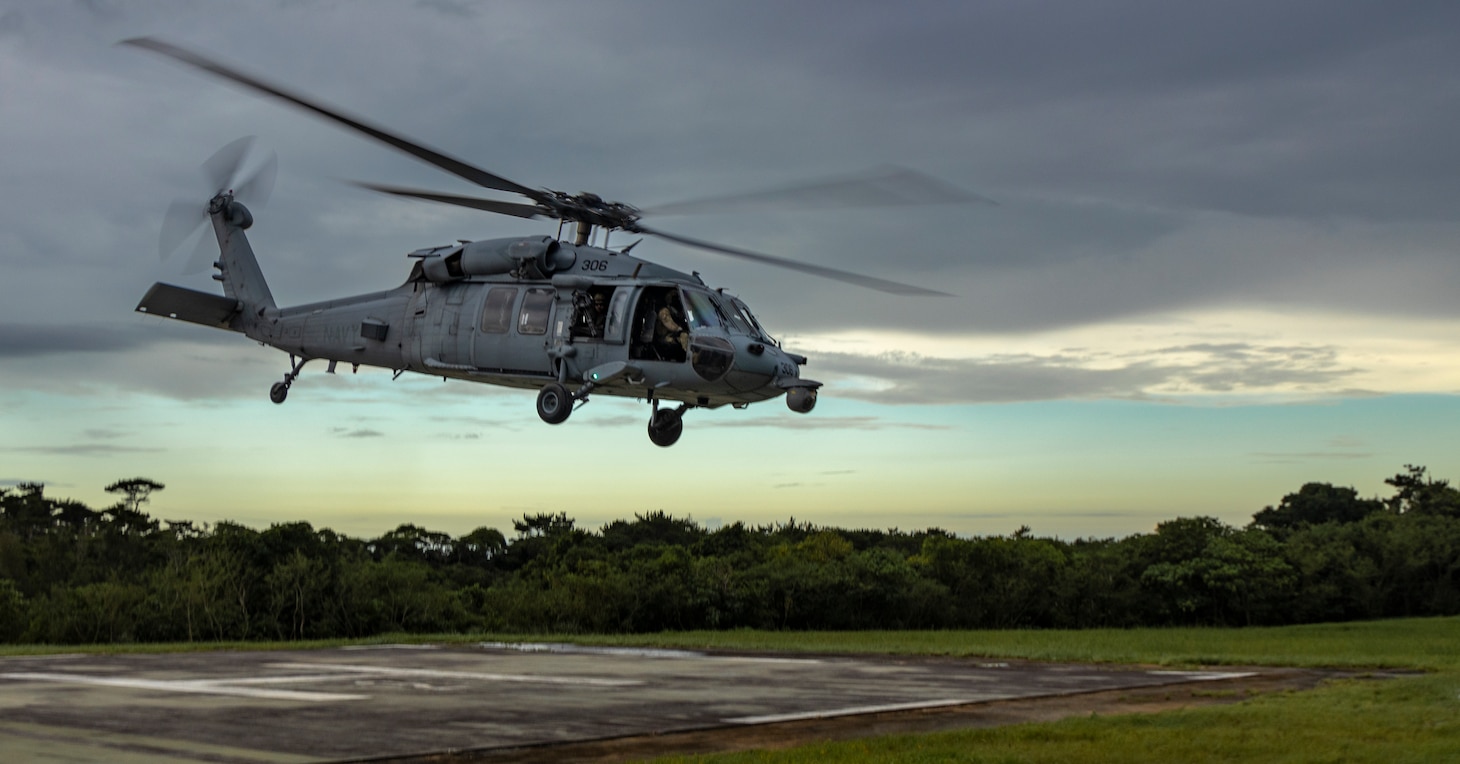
{"x": 592, "y": 209}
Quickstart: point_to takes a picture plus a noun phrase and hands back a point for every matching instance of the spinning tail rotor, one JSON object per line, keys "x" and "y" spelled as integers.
{"x": 240, "y": 169}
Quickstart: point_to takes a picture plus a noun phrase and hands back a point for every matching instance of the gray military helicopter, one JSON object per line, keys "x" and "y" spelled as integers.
{"x": 568, "y": 319}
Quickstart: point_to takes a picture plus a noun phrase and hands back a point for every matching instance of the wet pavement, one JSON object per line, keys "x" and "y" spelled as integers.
{"x": 397, "y": 700}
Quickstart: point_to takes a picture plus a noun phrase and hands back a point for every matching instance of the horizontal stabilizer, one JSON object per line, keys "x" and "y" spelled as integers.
{"x": 191, "y": 305}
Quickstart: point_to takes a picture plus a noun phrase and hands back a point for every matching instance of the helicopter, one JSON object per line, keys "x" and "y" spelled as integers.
{"x": 567, "y": 318}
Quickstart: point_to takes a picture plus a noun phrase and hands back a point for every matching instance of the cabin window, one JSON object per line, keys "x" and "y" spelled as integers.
{"x": 536, "y": 309}
{"x": 497, "y": 312}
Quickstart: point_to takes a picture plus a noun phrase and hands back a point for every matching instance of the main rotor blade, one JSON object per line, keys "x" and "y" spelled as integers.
{"x": 490, "y": 205}
{"x": 884, "y": 187}
{"x": 431, "y": 156}
{"x": 881, "y": 285}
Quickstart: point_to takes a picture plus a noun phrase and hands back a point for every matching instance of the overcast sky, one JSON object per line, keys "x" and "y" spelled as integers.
{"x": 1225, "y": 252}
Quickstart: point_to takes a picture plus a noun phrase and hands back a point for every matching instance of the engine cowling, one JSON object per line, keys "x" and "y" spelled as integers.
{"x": 538, "y": 257}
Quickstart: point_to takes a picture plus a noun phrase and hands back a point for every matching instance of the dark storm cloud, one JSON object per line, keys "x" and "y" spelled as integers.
{"x": 1147, "y": 156}
{"x": 1301, "y": 108}
{"x": 31, "y": 340}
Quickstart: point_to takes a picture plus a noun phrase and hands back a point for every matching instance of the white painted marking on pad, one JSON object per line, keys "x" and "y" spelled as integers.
{"x": 850, "y": 711}
{"x": 634, "y": 652}
{"x": 195, "y": 686}
{"x": 571, "y": 649}
{"x": 437, "y": 674}
{"x": 390, "y": 647}
{"x": 295, "y": 679}
{"x": 1206, "y": 676}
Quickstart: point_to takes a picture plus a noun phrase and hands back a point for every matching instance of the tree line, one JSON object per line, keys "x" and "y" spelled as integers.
{"x": 71, "y": 574}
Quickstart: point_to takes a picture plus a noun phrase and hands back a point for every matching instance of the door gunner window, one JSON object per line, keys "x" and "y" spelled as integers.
{"x": 535, "y": 309}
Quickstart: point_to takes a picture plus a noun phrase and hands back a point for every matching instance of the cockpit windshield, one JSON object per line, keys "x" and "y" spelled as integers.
{"x": 749, "y": 318}
{"x": 730, "y": 315}
{"x": 699, "y": 310}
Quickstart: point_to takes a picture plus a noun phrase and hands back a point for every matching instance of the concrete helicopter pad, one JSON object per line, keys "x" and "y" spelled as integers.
{"x": 495, "y": 702}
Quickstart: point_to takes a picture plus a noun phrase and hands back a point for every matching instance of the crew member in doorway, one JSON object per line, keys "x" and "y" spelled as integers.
{"x": 590, "y": 313}
{"x": 669, "y": 334}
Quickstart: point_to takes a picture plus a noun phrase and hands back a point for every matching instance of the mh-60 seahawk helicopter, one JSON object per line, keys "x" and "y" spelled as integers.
{"x": 566, "y": 318}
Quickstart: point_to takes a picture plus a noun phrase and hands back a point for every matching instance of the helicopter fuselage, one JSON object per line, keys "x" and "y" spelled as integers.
{"x": 523, "y": 332}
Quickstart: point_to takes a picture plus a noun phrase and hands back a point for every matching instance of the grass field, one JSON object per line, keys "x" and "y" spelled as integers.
{"x": 1388, "y": 721}
{"x": 1393, "y": 721}
{"x": 1430, "y": 644}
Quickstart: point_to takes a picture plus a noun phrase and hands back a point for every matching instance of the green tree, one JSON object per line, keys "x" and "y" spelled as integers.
{"x": 1313, "y": 504}
{"x": 657, "y": 527}
{"x": 1415, "y": 493}
{"x": 1337, "y": 569}
{"x": 136, "y": 491}
{"x": 14, "y": 614}
{"x": 1235, "y": 578}
{"x": 298, "y": 589}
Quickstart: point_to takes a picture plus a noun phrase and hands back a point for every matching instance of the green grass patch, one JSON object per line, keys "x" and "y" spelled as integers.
{"x": 1431, "y": 644}
{"x": 1415, "y": 643}
{"x": 1385, "y": 722}
{"x": 1394, "y": 721}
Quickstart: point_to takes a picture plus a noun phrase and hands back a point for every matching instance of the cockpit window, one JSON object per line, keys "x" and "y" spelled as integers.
{"x": 699, "y": 310}
{"x": 730, "y": 316}
{"x": 759, "y": 331}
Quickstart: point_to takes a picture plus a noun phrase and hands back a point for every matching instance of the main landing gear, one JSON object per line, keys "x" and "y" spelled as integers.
{"x": 280, "y": 390}
{"x": 555, "y": 404}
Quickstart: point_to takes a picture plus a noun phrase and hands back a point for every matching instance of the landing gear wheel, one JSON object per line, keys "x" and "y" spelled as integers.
{"x": 279, "y": 392}
{"x": 665, "y": 427}
{"x": 554, "y": 403}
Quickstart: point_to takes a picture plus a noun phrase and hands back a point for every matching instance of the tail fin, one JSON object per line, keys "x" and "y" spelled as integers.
{"x": 237, "y": 266}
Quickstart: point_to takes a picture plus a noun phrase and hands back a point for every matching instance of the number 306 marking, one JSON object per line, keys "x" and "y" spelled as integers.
{"x": 595, "y": 265}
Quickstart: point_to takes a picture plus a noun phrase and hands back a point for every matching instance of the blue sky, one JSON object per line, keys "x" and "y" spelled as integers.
{"x": 1223, "y": 262}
